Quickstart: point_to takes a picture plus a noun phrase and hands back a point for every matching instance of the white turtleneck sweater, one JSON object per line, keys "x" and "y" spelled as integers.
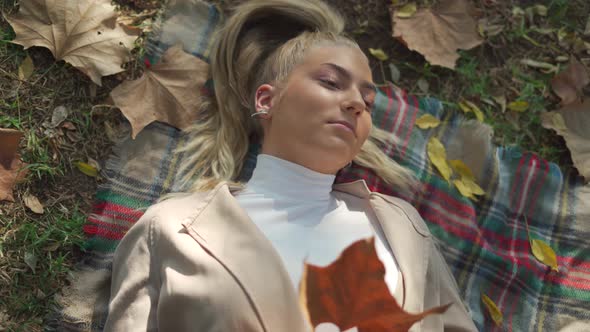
{"x": 297, "y": 211}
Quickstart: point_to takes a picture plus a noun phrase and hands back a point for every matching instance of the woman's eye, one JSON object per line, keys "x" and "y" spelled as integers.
{"x": 330, "y": 83}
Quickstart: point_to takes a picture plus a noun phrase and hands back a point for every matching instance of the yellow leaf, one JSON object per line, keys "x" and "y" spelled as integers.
{"x": 427, "y": 121}
{"x": 492, "y": 309}
{"x": 558, "y": 121}
{"x": 518, "y": 106}
{"x": 544, "y": 253}
{"x": 87, "y": 169}
{"x": 26, "y": 68}
{"x": 473, "y": 186}
{"x": 463, "y": 189}
{"x": 438, "y": 157}
{"x": 467, "y": 106}
{"x": 464, "y": 107}
{"x": 406, "y": 11}
{"x": 468, "y": 188}
{"x": 378, "y": 53}
{"x": 462, "y": 169}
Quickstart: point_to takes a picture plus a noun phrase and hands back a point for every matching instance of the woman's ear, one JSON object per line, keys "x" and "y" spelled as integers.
{"x": 263, "y": 100}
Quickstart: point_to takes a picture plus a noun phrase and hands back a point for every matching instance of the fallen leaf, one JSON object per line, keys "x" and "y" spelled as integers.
{"x": 68, "y": 125}
{"x": 438, "y": 32}
{"x": 423, "y": 85}
{"x": 94, "y": 164}
{"x": 468, "y": 107}
{"x": 587, "y": 29}
{"x": 84, "y": 33}
{"x": 438, "y": 156}
{"x": 518, "y": 106}
{"x": 379, "y": 54}
{"x": 492, "y": 310}
{"x": 542, "y": 251}
{"x": 461, "y": 168}
{"x": 468, "y": 188}
{"x": 500, "y": 100}
{"x": 12, "y": 169}
{"x": 26, "y": 68}
{"x": 547, "y": 67}
{"x": 395, "y": 73}
{"x": 557, "y": 121}
{"x": 352, "y": 293}
{"x": 572, "y": 122}
{"x": 33, "y": 204}
{"x": 31, "y": 260}
{"x": 407, "y": 10}
{"x": 569, "y": 83}
{"x": 169, "y": 91}
{"x": 59, "y": 115}
{"x": 86, "y": 169}
{"x": 427, "y": 121}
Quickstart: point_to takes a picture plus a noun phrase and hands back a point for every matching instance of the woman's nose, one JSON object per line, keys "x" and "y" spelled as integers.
{"x": 354, "y": 102}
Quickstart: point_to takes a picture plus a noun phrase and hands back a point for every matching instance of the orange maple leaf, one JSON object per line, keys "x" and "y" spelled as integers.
{"x": 351, "y": 292}
{"x": 11, "y": 168}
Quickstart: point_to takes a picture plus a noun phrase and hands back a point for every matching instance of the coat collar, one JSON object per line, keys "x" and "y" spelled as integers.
{"x": 223, "y": 228}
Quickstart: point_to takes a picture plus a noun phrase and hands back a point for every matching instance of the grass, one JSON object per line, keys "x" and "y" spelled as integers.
{"x": 46, "y": 243}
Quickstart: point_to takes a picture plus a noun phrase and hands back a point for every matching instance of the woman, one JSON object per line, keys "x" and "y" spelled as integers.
{"x": 229, "y": 257}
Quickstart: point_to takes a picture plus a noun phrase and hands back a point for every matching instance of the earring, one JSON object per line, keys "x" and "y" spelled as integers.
{"x": 259, "y": 112}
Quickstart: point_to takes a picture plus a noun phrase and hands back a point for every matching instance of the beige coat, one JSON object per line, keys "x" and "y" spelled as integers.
{"x": 198, "y": 263}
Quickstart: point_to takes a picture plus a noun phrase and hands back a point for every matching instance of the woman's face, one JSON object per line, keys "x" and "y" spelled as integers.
{"x": 323, "y": 117}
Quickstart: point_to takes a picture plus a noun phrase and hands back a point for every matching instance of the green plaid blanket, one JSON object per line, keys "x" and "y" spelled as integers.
{"x": 485, "y": 242}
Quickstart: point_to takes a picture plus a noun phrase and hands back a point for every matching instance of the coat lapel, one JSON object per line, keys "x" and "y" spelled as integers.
{"x": 407, "y": 243}
{"x": 225, "y": 230}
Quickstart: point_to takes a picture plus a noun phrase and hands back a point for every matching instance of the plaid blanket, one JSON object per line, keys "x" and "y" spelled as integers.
{"x": 485, "y": 242}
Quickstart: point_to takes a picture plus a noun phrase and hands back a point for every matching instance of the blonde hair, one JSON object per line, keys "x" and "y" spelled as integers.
{"x": 261, "y": 43}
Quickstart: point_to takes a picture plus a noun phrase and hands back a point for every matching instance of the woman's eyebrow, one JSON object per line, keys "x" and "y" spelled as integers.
{"x": 348, "y": 76}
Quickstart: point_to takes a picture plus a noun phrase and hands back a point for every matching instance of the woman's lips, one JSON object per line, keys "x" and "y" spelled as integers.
{"x": 344, "y": 125}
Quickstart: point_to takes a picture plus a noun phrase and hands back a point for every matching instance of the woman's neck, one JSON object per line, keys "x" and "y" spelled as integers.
{"x": 283, "y": 179}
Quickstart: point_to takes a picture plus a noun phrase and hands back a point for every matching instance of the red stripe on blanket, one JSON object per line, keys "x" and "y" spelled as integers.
{"x": 99, "y": 223}
{"x": 409, "y": 129}
{"x": 387, "y": 109}
{"x": 525, "y": 261}
{"x": 122, "y": 209}
{"x": 96, "y": 231}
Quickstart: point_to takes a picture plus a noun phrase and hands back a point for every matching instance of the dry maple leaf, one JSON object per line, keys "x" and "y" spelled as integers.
{"x": 439, "y": 31}
{"x": 352, "y": 292}
{"x": 11, "y": 168}
{"x": 569, "y": 83}
{"x": 572, "y": 122}
{"x": 167, "y": 92}
{"x": 84, "y": 33}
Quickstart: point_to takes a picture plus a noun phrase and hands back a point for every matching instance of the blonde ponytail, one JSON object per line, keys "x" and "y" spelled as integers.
{"x": 261, "y": 42}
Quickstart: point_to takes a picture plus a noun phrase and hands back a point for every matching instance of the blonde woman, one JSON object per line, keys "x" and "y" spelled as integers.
{"x": 229, "y": 256}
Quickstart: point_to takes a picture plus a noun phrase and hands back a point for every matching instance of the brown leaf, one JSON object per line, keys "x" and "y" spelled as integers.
{"x": 11, "y": 168}
{"x": 438, "y": 32}
{"x": 569, "y": 83}
{"x": 351, "y": 292}
{"x": 572, "y": 122}
{"x": 84, "y": 33}
{"x": 167, "y": 92}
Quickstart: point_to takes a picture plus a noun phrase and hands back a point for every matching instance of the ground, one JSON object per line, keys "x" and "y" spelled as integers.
{"x": 38, "y": 251}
